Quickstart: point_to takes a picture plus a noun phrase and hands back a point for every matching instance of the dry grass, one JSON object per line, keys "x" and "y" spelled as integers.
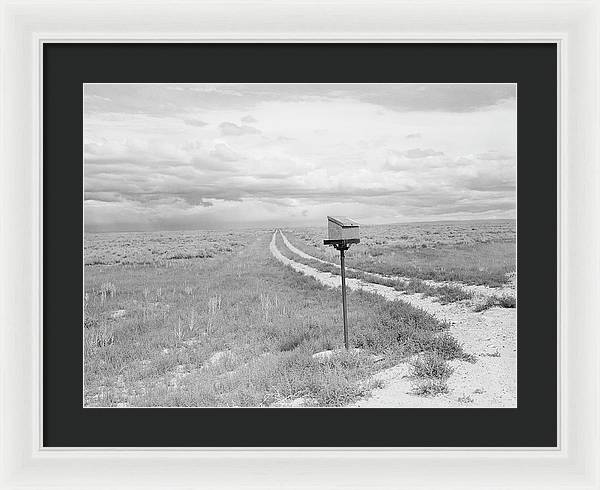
{"x": 444, "y": 294}
{"x": 159, "y": 248}
{"x": 238, "y": 330}
{"x": 430, "y": 387}
{"x": 472, "y": 252}
{"x": 503, "y": 301}
{"x": 431, "y": 372}
{"x": 431, "y": 365}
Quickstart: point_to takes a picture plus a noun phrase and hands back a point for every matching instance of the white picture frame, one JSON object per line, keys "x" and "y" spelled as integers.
{"x": 573, "y": 25}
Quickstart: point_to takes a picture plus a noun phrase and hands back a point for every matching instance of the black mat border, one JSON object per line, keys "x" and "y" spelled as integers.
{"x": 533, "y": 66}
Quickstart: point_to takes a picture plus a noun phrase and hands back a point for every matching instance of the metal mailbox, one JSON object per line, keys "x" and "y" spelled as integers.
{"x": 342, "y": 232}
{"x": 342, "y": 229}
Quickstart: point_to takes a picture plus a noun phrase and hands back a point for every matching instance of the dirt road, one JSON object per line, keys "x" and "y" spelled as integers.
{"x": 490, "y": 336}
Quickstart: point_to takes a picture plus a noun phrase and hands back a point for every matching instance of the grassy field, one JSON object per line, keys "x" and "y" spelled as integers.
{"x": 212, "y": 319}
{"x": 472, "y": 252}
{"x": 159, "y": 248}
{"x": 445, "y": 293}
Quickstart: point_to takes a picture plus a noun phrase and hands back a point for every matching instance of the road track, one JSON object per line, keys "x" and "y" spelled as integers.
{"x": 491, "y": 336}
{"x": 480, "y": 290}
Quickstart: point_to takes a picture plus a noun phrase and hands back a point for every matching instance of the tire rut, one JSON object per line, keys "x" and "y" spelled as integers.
{"x": 489, "y": 335}
{"x": 481, "y": 290}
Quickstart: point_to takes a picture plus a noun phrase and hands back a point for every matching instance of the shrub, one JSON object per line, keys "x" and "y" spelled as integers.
{"x": 465, "y": 399}
{"x": 103, "y": 337}
{"x": 293, "y": 340}
{"x": 431, "y": 365}
{"x": 507, "y": 301}
{"x": 398, "y": 313}
{"x": 504, "y": 301}
{"x": 107, "y": 289}
{"x": 90, "y": 322}
{"x": 448, "y": 347}
{"x": 417, "y": 331}
{"x": 445, "y": 294}
{"x": 430, "y": 387}
{"x": 449, "y": 294}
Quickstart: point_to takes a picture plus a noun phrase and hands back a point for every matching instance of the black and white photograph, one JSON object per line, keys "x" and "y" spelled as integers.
{"x": 300, "y": 245}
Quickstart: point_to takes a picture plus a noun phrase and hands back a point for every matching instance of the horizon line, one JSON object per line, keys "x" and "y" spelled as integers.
{"x": 301, "y": 226}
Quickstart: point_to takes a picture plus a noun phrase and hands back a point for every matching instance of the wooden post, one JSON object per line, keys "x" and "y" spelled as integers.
{"x": 344, "y": 306}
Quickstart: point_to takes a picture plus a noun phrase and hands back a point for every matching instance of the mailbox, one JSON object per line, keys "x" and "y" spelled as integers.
{"x": 342, "y": 229}
{"x": 342, "y": 232}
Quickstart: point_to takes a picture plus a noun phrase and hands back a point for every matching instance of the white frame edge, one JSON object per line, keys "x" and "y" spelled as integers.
{"x": 575, "y": 25}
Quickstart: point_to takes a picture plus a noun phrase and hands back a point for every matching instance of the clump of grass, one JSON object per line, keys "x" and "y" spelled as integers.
{"x": 342, "y": 393}
{"x": 431, "y": 365}
{"x": 431, "y": 371}
{"x": 107, "y": 289}
{"x": 102, "y": 336}
{"x": 465, "y": 399}
{"x": 445, "y": 294}
{"x": 90, "y": 322}
{"x": 293, "y": 340}
{"x": 504, "y": 301}
{"x": 496, "y": 353}
{"x": 449, "y": 294}
{"x": 214, "y": 304}
{"x": 417, "y": 331}
{"x": 430, "y": 387}
{"x": 449, "y": 348}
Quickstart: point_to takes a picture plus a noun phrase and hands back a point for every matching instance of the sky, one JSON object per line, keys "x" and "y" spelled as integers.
{"x": 223, "y": 156}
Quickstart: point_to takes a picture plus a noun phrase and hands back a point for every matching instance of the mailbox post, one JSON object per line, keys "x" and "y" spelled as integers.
{"x": 342, "y": 233}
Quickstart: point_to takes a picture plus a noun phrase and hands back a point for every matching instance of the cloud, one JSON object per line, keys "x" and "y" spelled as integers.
{"x": 441, "y": 97}
{"x": 420, "y": 153}
{"x": 159, "y": 100}
{"x": 493, "y": 155}
{"x": 211, "y": 163}
{"x": 106, "y": 196}
{"x": 232, "y": 129}
{"x": 415, "y": 158}
{"x": 194, "y": 199}
{"x": 224, "y": 153}
{"x": 349, "y": 149}
{"x": 489, "y": 183}
{"x": 195, "y": 122}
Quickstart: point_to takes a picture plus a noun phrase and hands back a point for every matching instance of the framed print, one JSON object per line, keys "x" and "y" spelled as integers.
{"x": 211, "y": 184}
{"x": 237, "y": 317}
{"x": 324, "y": 257}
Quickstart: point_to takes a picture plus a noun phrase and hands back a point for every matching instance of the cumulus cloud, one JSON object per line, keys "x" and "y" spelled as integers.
{"x": 232, "y": 129}
{"x": 195, "y": 122}
{"x": 169, "y": 99}
{"x": 194, "y": 199}
{"x": 224, "y": 153}
{"x": 421, "y": 153}
{"x": 167, "y": 157}
{"x": 494, "y": 155}
{"x": 441, "y": 97}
